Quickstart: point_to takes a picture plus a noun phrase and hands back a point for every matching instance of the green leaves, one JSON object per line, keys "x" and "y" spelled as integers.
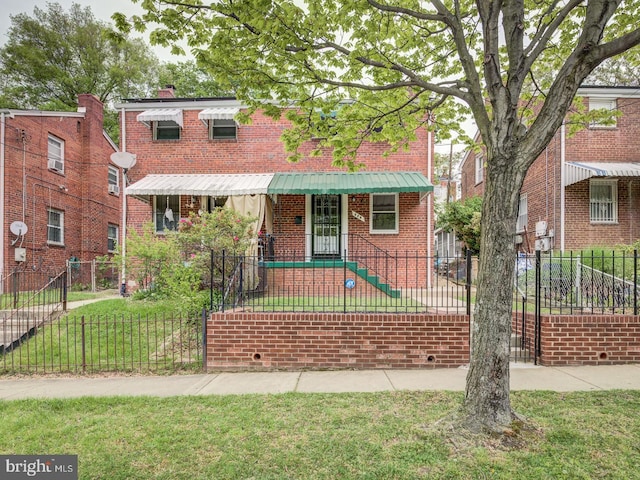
{"x": 54, "y": 55}
{"x": 463, "y": 218}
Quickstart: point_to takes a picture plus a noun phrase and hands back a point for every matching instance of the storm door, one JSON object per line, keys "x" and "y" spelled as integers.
{"x": 325, "y": 226}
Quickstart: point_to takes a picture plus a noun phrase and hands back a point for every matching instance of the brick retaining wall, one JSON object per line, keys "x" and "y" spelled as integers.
{"x": 587, "y": 339}
{"x": 270, "y": 341}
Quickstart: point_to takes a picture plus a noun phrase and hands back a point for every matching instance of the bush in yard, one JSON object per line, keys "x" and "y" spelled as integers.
{"x": 222, "y": 230}
{"x": 177, "y": 265}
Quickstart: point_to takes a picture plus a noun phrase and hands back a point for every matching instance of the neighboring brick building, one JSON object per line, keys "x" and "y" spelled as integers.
{"x": 584, "y": 190}
{"x": 191, "y": 155}
{"x": 57, "y": 179}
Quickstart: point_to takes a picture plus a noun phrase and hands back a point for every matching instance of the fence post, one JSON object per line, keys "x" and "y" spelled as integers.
{"x": 204, "y": 338}
{"x": 211, "y": 280}
{"x": 93, "y": 275}
{"x": 537, "y": 349}
{"x": 635, "y": 282}
{"x": 64, "y": 291}
{"x": 468, "y": 284}
{"x": 223, "y": 274}
{"x": 84, "y": 354}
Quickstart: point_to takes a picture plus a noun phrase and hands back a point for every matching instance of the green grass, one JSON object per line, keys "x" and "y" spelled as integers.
{"x": 324, "y": 436}
{"x": 117, "y": 335}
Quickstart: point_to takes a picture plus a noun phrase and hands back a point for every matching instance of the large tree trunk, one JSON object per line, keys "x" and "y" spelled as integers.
{"x": 487, "y": 404}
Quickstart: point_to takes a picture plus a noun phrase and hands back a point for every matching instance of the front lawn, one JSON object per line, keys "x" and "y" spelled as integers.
{"x": 387, "y": 435}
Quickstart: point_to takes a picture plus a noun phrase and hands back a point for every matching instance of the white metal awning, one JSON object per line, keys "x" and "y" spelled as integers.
{"x": 577, "y": 171}
{"x": 221, "y": 185}
{"x": 219, "y": 113}
{"x": 159, "y": 115}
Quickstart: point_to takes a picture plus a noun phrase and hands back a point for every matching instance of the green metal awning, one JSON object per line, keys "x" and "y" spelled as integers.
{"x": 343, "y": 182}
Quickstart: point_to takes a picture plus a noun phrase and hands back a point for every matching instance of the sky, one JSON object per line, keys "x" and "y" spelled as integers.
{"x": 102, "y": 10}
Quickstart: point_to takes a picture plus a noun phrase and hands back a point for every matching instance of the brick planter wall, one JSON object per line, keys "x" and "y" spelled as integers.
{"x": 270, "y": 341}
{"x": 587, "y": 339}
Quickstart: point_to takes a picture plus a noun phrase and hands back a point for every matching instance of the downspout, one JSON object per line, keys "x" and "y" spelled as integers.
{"x": 123, "y": 143}
{"x": 562, "y": 180}
{"x": 429, "y": 203}
{"x": 2, "y": 229}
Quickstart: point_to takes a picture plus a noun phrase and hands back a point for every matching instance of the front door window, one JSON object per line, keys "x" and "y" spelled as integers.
{"x": 326, "y": 225}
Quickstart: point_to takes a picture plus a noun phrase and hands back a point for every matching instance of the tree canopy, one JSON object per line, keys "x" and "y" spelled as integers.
{"x": 382, "y": 69}
{"x": 54, "y": 55}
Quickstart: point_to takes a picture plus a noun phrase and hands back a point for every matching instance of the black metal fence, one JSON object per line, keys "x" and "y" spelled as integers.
{"x": 391, "y": 283}
{"x": 93, "y": 275}
{"x": 91, "y": 344}
{"x": 579, "y": 283}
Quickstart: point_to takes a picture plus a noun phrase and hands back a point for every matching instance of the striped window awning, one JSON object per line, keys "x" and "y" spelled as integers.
{"x": 219, "y": 113}
{"x": 577, "y": 171}
{"x": 159, "y": 115}
{"x": 215, "y": 185}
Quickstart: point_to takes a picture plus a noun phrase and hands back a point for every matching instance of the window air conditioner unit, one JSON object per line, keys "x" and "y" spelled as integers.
{"x": 55, "y": 165}
{"x": 114, "y": 189}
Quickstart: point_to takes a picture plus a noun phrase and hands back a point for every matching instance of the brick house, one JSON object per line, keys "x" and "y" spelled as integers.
{"x": 57, "y": 185}
{"x": 191, "y": 155}
{"x": 583, "y": 190}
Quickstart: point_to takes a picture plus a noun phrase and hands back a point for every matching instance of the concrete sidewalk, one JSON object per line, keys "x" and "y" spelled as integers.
{"x": 523, "y": 377}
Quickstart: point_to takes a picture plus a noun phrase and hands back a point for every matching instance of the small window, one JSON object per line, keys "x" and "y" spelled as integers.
{"x": 603, "y": 199}
{"x": 521, "y": 226}
{"x": 220, "y": 129}
{"x": 606, "y": 105}
{"x": 166, "y": 130}
{"x": 166, "y": 213}
{"x": 479, "y": 168}
{"x": 55, "y": 227}
{"x": 113, "y": 182}
{"x": 56, "y": 154}
{"x": 112, "y": 237}
{"x": 384, "y": 213}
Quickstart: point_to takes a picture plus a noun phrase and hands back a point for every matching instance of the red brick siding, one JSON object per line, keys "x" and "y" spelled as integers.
{"x": 586, "y": 339}
{"x": 543, "y": 184}
{"x": 88, "y": 208}
{"x": 269, "y": 341}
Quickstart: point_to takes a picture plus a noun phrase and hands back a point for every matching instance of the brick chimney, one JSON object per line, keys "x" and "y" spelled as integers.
{"x": 167, "y": 92}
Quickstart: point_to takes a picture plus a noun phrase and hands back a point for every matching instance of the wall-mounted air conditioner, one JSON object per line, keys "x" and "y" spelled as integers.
{"x": 56, "y": 165}
{"x": 114, "y": 189}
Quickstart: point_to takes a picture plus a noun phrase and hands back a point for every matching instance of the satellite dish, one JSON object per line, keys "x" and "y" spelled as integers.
{"x": 18, "y": 228}
{"x": 124, "y": 160}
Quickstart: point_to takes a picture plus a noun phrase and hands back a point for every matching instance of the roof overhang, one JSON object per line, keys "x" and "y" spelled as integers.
{"x": 220, "y": 185}
{"x": 159, "y": 115}
{"x": 577, "y": 171}
{"x": 343, "y": 182}
{"x": 218, "y": 113}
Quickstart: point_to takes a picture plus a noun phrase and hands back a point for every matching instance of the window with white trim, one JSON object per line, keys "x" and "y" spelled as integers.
{"x": 603, "y": 201}
{"x": 113, "y": 180}
{"x": 222, "y": 129}
{"x": 523, "y": 216}
{"x": 55, "y": 227}
{"x": 112, "y": 237}
{"x": 166, "y": 130}
{"x": 166, "y": 212}
{"x": 384, "y": 213}
{"x": 606, "y": 105}
{"x": 479, "y": 168}
{"x": 55, "y": 154}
